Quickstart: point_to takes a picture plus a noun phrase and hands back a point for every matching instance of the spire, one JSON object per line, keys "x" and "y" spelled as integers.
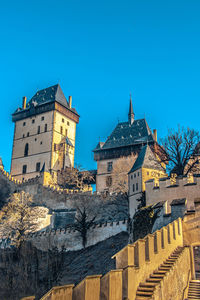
{"x": 131, "y": 114}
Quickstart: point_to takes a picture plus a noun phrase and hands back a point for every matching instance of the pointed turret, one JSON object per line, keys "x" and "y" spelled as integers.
{"x": 131, "y": 114}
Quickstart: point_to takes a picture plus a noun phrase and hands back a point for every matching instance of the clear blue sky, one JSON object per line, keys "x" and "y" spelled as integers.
{"x": 99, "y": 51}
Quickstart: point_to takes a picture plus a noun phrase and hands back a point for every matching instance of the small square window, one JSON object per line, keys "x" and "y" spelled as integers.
{"x": 23, "y": 135}
{"x": 45, "y": 128}
{"x": 42, "y": 118}
{"x": 134, "y": 175}
{"x": 33, "y": 121}
{"x": 35, "y": 139}
{"x": 68, "y": 123}
{"x": 40, "y": 143}
{"x": 27, "y": 133}
{"x": 24, "y": 124}
{"x": 131, "y": 176}
{"x": 63, "y": 120}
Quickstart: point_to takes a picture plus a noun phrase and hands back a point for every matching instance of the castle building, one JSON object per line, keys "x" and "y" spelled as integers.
{"x": 124, "y": 144}
{"x": 44, "y": 135}
{"x": 146, "y": 167}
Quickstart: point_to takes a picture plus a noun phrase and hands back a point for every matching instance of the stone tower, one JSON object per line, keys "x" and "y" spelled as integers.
{"x": 44, "y": 136}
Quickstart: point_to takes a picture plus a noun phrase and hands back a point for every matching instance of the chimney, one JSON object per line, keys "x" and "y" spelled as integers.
{"x": 24, "y": 102}
{"x": 70, "y": 101}
{"x": 155, "y": 134}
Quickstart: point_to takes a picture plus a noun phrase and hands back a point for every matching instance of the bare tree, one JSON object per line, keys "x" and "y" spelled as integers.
{"x": 180, "y": 151}
{"x": 119, "y": 206}
{"x": 85, "y": 218}
{"x": 18, "y": 218}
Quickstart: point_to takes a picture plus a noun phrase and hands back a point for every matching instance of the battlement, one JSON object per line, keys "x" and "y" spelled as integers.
{"x": 70, "y": 238}
{"x": 135, "y": 263}
{"x": 171, "y": 188}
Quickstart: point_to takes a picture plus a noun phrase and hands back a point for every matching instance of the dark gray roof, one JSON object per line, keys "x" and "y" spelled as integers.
{"x": 178, "y": 202}
{"x": 146, "y": 159}
{"x": 68, "y": 142}
{"x": 51, "y": 94}
{"x": 126, "y": 134}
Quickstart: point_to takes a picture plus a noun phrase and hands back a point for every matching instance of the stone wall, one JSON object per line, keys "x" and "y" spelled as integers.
{"x": 71, "y": 239}
{"x": 169, "y": 190}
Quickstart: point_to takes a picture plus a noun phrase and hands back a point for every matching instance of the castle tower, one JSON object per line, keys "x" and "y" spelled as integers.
{"x": 44, "y": 136}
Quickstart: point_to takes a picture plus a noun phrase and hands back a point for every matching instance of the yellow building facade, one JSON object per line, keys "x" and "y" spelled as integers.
{"x": 146, "y": 167}
{"x": 44, "y": 136}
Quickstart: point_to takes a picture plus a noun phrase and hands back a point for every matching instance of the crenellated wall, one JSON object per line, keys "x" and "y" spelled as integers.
{"x": 170, "y": 189}
{"x": 71, "y": 240}
{"x": 135, "y": 263}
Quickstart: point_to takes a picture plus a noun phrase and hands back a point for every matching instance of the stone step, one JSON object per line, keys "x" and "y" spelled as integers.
{"x": 146, "y": 289}
{"x": 147, "y": 284}
{"x": 144, "y": 294}
{"x": 157, "y": 275}
{"x": 154, "y": 280}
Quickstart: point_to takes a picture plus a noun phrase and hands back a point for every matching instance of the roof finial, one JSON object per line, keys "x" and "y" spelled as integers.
{"x": 131, "y": 114}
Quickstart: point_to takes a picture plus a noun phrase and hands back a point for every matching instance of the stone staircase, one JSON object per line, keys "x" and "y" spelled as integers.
{"x": 145, "y": 290}
{"x": 194, "y": 290}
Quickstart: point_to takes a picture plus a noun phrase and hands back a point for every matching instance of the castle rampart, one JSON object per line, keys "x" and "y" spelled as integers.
{"x": 71, "y": 240}
{"x": 135, "y": 263}
{"x": 170, "y": 189}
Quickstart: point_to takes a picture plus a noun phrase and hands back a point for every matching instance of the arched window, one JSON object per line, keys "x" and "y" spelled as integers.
{"x": 26, "y": 150}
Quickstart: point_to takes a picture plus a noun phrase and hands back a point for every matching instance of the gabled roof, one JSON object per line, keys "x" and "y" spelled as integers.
{"x": 146, "y": 159}
{"x": 126, "y": 134}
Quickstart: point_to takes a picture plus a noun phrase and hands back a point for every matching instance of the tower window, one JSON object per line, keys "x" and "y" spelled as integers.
{"x": 131, "y": 176}
{"x": 27, "y": 133}
{"x": 136, "y": 186}
{"x": 40, "y": 143}
{"x": 23, "y": 135}
{"x": 38, "y": 167}
{"x": 109, "y": 166}
{"x": 42, "y": 118}
{"x": 133, "y": 187}
{"x": 24, "y": 124}
{"x": 33, "y": 121}
{"x": 108, "y": 181}
{"x": 68, "y": 123}
{"x": 45, "y": 128}
{"x": 24, "y": 169}
{"x": 65, "y": 132}
{"x": 38, "y": 131}
{"x": 61, "y": 129}
{"x": 26, "y": 150}
{"x": 63, "y": 120}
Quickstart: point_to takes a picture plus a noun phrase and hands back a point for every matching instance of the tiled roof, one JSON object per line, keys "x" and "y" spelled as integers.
{"x": 146, "y": 159}
{"x": 126, "y": 134}
{"x": 51, "y": 94}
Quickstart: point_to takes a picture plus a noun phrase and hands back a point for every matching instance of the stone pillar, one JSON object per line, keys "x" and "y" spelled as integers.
{"x": 88, "y": 289}
{"x": 111, "y": 286}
